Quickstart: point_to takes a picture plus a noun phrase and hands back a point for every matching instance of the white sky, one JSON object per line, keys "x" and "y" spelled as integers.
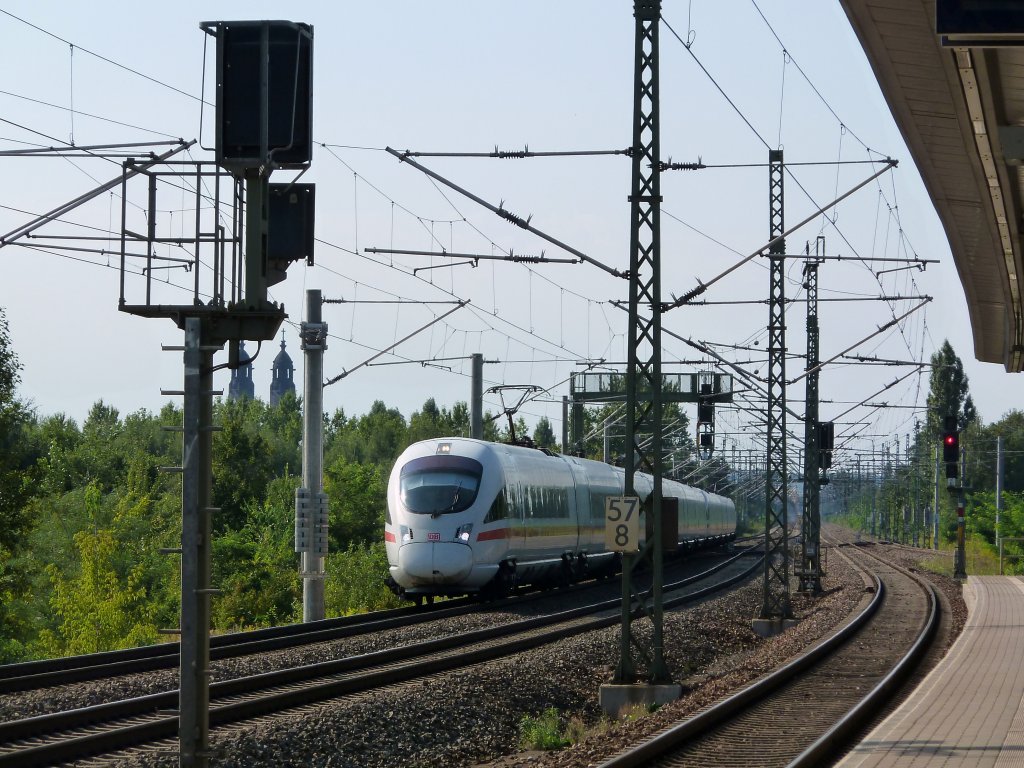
{"x": 469, "y": 76}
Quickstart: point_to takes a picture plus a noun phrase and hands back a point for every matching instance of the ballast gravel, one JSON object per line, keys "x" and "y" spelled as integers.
{"x": 472, "y": 717}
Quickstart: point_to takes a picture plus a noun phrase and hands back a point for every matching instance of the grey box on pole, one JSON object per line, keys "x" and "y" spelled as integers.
{"x": 311, "y": 514}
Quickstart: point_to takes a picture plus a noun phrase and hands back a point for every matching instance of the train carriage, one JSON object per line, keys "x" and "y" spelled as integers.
{"x": 468, "y": 516}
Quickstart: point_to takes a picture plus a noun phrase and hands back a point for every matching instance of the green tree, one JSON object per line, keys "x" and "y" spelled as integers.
{"x": 102, "y": 607}
{"x": 242, "y": 462}
{"x": 431, "y": 421}
{"x": 948, "y": 395}
{"x": 16, "y": 488}
{"x": 99, "y": 447}
{"x": 281, "y": 425}
{"x": 58, "y": 438}
{"x": 358, "y": 500}
{"x": 676, "y": 441}
{"x": 355, "y": 581}
{"x": 980, "y": 441}
{"x": 948, "y": 392}
{"x": 544, "y": 435}
{"x": 256, "y": 566}
{"x": 376, "y": 437}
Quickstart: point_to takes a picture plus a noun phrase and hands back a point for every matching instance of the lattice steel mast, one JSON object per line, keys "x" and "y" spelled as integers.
{"x": 643, "y": 374}
{"x": 776, "y": 605}
{"x": 810, "y": 561}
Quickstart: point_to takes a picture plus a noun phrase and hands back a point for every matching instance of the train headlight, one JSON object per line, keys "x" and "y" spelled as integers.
{"x": 462, "y": 533}
{"x": 406, "y": 534}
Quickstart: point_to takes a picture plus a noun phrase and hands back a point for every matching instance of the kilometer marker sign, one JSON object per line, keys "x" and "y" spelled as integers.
{"x": 622, "y": 523}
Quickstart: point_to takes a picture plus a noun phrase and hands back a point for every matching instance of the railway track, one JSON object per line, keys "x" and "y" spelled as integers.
{"x": 808, "y": 710}
{"x": 74, "y": 734}
{"x": 72, "y": 669}
{"x": 33, "y": 675}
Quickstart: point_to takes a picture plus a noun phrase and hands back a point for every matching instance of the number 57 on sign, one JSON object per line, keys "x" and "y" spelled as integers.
{"x": 622, "y": 523}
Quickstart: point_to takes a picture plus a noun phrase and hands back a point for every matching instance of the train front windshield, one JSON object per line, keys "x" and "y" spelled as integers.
{"x": 438, "y": 485}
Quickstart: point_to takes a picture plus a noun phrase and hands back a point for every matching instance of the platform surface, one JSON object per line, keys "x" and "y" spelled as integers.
{"x": 969, "y": 710}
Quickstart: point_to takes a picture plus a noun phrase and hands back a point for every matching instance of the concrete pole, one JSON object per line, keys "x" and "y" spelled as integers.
{"x": 314, "y": 342}
{"x": 874, "y": 493}
{"x": 476, "y": 400}
{"x": 999, "y": 489}
{"x": 935, "y": 504}
{"x": 960, "y": 558}
{"x": 884, "y": 522}
{"x": 576, "y": 409}
{"x": 565, "y": 425}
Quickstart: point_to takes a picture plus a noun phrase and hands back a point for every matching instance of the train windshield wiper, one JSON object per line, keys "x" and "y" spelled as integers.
{"x": 450, "y": 507}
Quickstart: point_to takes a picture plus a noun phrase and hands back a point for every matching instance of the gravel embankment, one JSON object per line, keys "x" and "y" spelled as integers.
{"x": 57, "y": 698}
{"x": 471, "y": 717}
{"x": 738, "y": 670}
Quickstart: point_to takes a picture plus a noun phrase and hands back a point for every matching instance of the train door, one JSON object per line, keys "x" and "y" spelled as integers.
{"x": 586, "y": 536}
{"x": 516, "y": 508}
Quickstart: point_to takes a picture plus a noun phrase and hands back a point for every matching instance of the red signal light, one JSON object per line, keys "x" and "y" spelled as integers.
{"x": 951, "y": 452}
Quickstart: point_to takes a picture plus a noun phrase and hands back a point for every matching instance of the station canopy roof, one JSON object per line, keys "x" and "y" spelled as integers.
{"x": 952, "y": 72}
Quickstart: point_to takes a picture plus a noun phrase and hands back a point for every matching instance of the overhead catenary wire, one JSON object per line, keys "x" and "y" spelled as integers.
{"x": 765, "y": 143}
{"x": 507, "y": 215}
{"x": 349, "y": 372}
{"x": 102, "y": 58}
{"x": 588, "y": 300}
{"x": 523, "y": 153}
{"x": 704, "y": 285}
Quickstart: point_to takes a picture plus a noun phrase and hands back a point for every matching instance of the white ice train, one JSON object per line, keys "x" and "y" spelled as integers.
{"x": 469, "y": 517}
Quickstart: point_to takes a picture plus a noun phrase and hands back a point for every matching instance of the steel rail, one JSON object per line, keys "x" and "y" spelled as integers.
{"x": 72, "y": 669}
{"x": 31, "y": 675}
{"x": 839, "y": 735}
{"x": 731, "y": 707}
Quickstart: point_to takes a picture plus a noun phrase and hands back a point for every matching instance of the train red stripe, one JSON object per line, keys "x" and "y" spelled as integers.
{"x": 497, "y": 533}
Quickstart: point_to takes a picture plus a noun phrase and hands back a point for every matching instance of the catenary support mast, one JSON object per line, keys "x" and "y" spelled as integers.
{"x": 476, "y": 400}
{"x": 196, "y": 499}
{"x": 810, "y": 561}
{"x": 314, "y": 342}
{"x": 776, "y": 607}
{"x": 640, "y": 661}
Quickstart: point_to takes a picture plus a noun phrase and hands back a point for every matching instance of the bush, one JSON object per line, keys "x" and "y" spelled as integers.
{"x": 355, "y": 581}
{"x": 543, "y": 731}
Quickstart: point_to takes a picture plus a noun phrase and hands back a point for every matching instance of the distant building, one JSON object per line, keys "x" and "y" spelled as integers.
{"x": 241, "y": 378}
{"x": 284, "y": 374}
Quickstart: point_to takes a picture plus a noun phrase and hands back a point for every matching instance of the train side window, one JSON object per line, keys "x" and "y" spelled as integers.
{"x": 498, "y": 510}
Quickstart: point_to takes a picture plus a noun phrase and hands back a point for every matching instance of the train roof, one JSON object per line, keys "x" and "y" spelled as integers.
{"x": 467, "y": 446}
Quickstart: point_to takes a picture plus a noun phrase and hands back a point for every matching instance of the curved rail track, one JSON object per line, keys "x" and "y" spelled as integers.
{"x": 75, "y": 734}
{"x": 33, "y": 675}
{"x": 72, "y": 669}
{"x": 807, "y": 711}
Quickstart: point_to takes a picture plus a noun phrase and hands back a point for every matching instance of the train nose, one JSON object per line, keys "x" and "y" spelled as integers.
{"x": 435, "y": 562}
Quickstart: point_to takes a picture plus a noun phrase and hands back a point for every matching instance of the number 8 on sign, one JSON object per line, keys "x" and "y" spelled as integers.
{"x": 622, "y": 523}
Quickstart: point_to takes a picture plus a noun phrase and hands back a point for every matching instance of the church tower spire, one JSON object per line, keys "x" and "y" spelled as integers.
{"x": 241, "y": 385}
{"x": 283, "y": 375}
